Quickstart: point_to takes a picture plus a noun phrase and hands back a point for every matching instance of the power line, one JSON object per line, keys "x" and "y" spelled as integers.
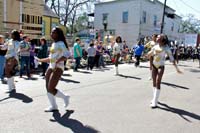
{"x": 190, "y": 6}
{"x": 177, "y": 6}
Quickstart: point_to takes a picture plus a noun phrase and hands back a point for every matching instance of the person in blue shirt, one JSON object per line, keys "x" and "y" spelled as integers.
{"x": 138, "y": 50}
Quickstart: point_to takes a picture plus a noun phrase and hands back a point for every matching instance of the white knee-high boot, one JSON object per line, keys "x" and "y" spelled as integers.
{"x": 150, "y": 77}
{"x": 10, "y": 82}
{"x": 155, "y": 98}
{"x": 116, "y": 70}
{"x": 53, "y": 106}
{"x": 154, "y": 88}
{"x": 13, "y": 83}
{"x": 64, "y": 97}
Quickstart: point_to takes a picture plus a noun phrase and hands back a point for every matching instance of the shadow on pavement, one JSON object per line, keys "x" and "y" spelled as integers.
{"x": 18, "y": 96}
{"x": 182, "y": 113}
{"x": 69, "y": 75}
{"x": 175, "y": 86}
{"x": 184, "y": 65}
{"x": 194, "y": 70}
{"x": 102, "y": 69}
{"x": 31, "y": 78}
{"x": 68, "y": 80}
{"x": 75, "y": 125}
{"x": 124, "y": 76}
{"x": 84, "y": 72}
{"x": 144, "y": 67}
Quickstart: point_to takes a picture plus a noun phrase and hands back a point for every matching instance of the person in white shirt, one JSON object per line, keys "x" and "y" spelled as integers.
{"x": 149, "y": 46}
{"x": 59, "y": 52}
{"x": 116, "y": 53}
{"x": 158, "y": 53}
{"x": 12, "y": 47}
{"x": 91, "y": 55}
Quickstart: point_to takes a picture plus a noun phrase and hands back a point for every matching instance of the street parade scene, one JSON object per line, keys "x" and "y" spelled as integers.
{"x": 99, "y": 66}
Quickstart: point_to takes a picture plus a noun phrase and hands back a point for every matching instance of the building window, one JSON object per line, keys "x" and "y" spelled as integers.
{"x": 23, "y": 18}
{"x": 125, "y": 17}
{"x": 32, "y": 28}
{"x": 36, "y": 19}
{"x": 144, "y": 17}
{"x": 28, "y": 19}
{"x": 105, "y": 17}
{"x": 172, "y": 27}
{"x": 31, "y": 19}
{"x": 43, "y": 28}
{"x": 155, "y": 20}
{"x": 40, "y": 20}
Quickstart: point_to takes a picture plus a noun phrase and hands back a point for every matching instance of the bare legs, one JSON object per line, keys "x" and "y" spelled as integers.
{"x": 157, "y": 74}
{"x": 52, "y": 78}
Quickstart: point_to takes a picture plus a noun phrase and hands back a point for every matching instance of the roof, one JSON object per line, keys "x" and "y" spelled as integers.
{"x": 114, "y": 1}
{"x": 49, "y": 12}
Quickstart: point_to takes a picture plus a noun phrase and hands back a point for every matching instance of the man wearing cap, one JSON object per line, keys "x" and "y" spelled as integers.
{"x": 2, "y": 59}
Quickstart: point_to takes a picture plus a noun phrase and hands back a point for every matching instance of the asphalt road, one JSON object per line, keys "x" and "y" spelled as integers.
{"x": 102, "y": 102}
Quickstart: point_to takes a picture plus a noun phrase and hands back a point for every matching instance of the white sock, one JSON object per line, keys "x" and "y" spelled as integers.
{"x": 63, "y": 96}
{"x": 117, "y": 71}
{"x": 155, "y": 97}
{"x": 52, "y": 100}
{"x": 10, "y": 84}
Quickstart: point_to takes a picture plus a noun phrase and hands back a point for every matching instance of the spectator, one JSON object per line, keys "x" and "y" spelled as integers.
{"x": 91, "y": 55}
{"x": 2, "y": 59}
{"x": 24, "y": 50}
{"x": 43, "y": 53}
{"x": 77, "y": 53}
{"x": 32, "y": 54}
{"x": 138, "y": 50}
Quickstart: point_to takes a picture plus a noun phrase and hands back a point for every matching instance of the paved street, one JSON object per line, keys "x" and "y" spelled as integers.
{"x": 102, "y": 102}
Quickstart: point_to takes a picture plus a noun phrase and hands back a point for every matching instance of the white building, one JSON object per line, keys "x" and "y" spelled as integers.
{"x": 132, "y": 19}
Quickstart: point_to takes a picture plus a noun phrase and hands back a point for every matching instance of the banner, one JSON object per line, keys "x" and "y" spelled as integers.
{"x": 191, "y": 39}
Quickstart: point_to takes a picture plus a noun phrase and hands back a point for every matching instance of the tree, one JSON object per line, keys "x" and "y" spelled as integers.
{"x": 65, "y": 8}
{"x": 82, "y": 22}
{"x": 190, "y": 24}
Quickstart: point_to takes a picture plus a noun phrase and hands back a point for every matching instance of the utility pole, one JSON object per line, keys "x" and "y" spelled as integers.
{"x": 163, "y": 18}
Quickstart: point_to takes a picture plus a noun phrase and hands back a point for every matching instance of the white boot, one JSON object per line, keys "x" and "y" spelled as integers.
{"x": 64, "y": 97}
{"x": 116, "y": 71}
{"x": 53, "y": 106}
{"x": 155, "y": 98}
{"x": 154, "y": 88}
{"x": 10, "y": 84}
{"x": 150, "y": 77}
{"x": 13, "y": 83}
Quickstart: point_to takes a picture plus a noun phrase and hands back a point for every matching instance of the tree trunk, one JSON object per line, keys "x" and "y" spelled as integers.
{"x": 73, "y": 21}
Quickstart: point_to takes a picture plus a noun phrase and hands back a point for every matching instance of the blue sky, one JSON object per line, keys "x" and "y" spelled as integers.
{"x": 183, "y": 7}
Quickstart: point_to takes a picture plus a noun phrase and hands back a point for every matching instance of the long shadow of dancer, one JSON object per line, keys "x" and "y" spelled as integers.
{"x": 124, "y": 76}
{"x": 180, "y": 112}
{"x": 19, "y": 96}
{"x": 84, "y": 72}
{"x": 75, "y": 125}
{"x": 175, "y": 86}
{"x": 68, "y": 80}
